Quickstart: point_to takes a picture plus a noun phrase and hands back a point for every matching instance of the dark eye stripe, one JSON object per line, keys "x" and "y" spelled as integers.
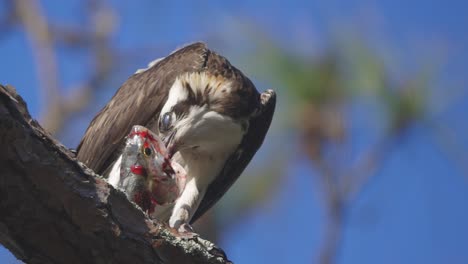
{"x": 181, "y": 109}
{"x": 194, "y": 98}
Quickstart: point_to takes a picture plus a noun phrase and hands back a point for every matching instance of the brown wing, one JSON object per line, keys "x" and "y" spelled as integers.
{"x": 235, "y": 165}
{"x": 138, "y": 102}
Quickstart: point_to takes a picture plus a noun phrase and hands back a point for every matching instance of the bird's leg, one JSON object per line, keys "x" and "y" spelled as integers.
{"x": 185, "y": 207}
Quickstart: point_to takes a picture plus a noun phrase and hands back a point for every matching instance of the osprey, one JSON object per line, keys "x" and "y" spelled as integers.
{"x": 210, "y": 116}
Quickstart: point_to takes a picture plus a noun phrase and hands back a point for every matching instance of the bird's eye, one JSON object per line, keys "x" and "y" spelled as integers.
{"x": 147, "y": 151}
{"x": 165, "y": 122}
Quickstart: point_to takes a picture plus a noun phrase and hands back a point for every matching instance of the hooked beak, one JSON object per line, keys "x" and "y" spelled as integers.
{"x": 174, "y": 144}
{"x": 171, "y": 144}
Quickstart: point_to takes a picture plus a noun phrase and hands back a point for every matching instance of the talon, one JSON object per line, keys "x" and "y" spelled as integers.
{"x": 186, "y": 231}
{"x": 185, "y": 228}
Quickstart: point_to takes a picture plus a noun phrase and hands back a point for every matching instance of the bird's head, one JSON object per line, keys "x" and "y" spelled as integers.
{"x": 201, "y": 115}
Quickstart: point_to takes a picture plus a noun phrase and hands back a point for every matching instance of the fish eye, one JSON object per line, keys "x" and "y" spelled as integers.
{"x": 147, "y": 151}
{"x": 165, "y": 122}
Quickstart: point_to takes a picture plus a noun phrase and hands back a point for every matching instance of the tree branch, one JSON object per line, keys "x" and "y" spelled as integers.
{"x": 55, "y": 210}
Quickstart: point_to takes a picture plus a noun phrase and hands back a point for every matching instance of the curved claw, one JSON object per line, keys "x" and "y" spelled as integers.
{"x": 186, "y": 231}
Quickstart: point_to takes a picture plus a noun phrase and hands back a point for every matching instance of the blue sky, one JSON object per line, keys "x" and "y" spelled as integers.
{"x": 413, "y": 211}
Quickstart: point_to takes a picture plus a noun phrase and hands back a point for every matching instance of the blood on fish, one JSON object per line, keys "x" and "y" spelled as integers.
{"x": 166, "y": 166}
{"x": 146, "y": 145}
{"x": 144, "y": 200}
{"x": 137, "y": 169}
{"x": 143, "y": 134}
{"x": 149, "y": 180}
{"x": 146, "y": 135}
{"x": 153, "y": 201}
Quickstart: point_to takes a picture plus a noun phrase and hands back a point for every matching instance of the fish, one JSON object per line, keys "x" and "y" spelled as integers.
{"x": 147, "y": 176}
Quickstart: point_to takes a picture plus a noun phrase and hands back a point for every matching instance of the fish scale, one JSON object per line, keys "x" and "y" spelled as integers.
{"x": 149, "y": 179}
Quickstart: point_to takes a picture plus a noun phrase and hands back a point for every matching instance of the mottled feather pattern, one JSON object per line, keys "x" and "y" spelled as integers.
{"x": 219, "y": 94}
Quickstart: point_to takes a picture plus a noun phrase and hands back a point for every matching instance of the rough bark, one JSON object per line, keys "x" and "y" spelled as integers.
{"x": 55, "y": 210}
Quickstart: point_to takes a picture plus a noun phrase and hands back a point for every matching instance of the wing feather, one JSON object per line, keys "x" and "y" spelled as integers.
{"x": 138, "y": 102}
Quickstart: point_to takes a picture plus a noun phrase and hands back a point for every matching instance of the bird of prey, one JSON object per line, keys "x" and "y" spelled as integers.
{"x": 208, "y": 113}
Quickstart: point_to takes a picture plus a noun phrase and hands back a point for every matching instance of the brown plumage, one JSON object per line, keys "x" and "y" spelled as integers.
{"x": 140, "y": 99}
